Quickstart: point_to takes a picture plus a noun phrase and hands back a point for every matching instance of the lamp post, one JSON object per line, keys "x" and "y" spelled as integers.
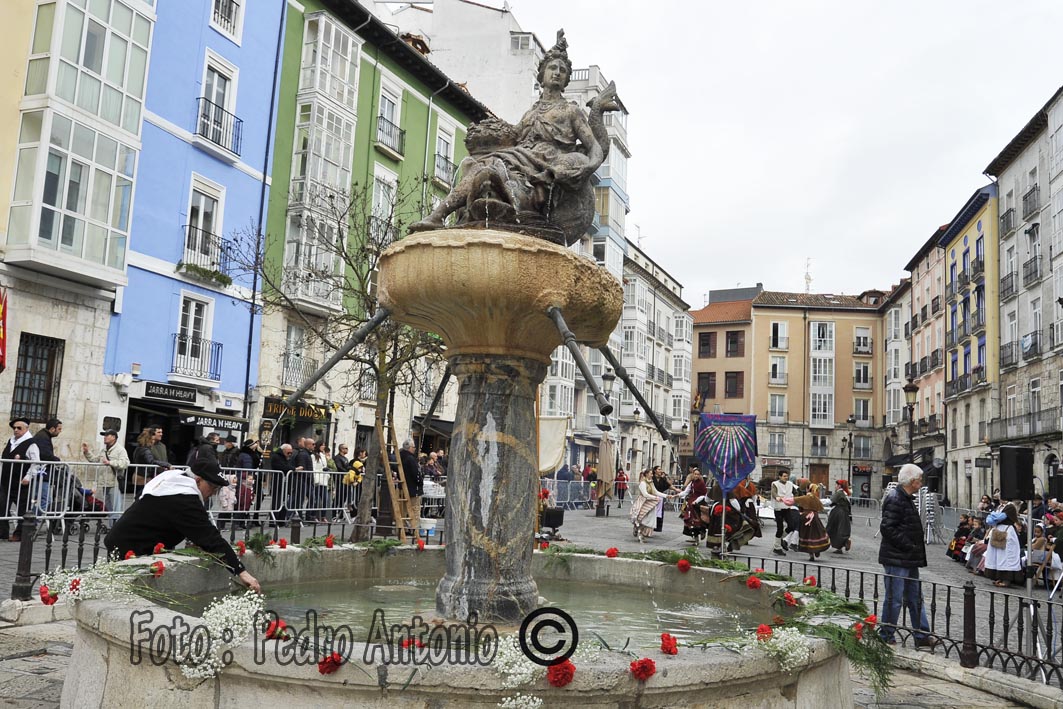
{"x": 911, "y": 394}
{"x": 848, "y": 445}
{"x": 608, "y": 381}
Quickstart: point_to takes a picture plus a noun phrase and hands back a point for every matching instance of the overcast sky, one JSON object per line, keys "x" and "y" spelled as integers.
{"x": 841, "y": 131}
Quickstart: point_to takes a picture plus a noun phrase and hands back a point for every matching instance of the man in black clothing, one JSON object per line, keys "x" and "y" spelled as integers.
{"x": 207, "y": 450}
{"x": 43, "y": 439}
{"x": 414, "y": 482}
{"x": 22, "y": 446}
{"x": 279, "y": 482}
{"x": 302, "y": 471}
{"x": 171, "y": 510}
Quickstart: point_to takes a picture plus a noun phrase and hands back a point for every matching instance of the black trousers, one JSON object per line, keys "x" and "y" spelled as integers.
{"x": 788, "y": 519}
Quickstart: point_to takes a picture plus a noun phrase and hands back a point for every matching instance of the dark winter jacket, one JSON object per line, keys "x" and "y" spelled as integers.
{"x": 414, "y": 476}
{"x": 902, "y": 532}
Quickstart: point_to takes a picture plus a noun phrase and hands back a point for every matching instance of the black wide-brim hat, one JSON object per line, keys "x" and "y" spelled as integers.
{"x": 17, "y": 419}
{"x": 210, "y": 471}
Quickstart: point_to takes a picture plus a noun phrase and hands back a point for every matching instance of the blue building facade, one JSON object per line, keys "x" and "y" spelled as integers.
{"x": 184, "y": 338}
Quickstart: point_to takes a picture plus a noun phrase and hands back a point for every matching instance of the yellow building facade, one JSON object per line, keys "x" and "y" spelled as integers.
{"x": 17, "y": 20}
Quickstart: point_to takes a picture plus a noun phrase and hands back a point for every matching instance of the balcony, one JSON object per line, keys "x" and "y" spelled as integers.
{"x": 908, "y": 374}
{"x": 935, "y": 305}
{"x": 950, "y": 338}
{"x": 962, "y": 279}
{"x": 936, "y": 359}
{"x": 778, "y": 343}
{"x": 963, "y": 331}
{"x": 776, "y": 416}
{"x": 217, "y": 129}
{"x": 923, "y": 313}
{"x": 915, "y": 322}
{"x": 819, "y": 452}
{"x": 950, "y": 389}
{"x": 862, "y": 385}
{"x": 296, "y": 369}
{"x": 777, "y": 379}
{"x": 951, "y": 289}
{"x": 1007, "y": 222}
{"x": 207, "y": 254}
{"x": 907, "y": 330}
{"x": 977, "y": 321}
{"x": 445, "y": 170}
{"x": 1038, "y": 423}
{"x": 226, "y": 14}
{"x": 1031, "y": 272}
{"x": 963, "y": 383}
{"x": 1009, "y": 286}
{"x": 195, "y": 358}
{"x": 932, "y": 424}
{"x": 312, "y": 292}
{"x": 390, "y": 139}
{"x": 863, "y": 422}
{"x": 1032, "y": 345}
{"x": 920, "y": 427}
{"x": 1009, "y": 354}
{"x": 978, "y": 376}
{"x": 862, "y": 347}
{"x": 924, "y": 365}
{"x": 1031, "y": 202}
{"x": 977, "y": 268}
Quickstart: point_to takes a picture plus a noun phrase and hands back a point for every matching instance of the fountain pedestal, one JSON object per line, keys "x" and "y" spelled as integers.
{"x": 486, "y": 294}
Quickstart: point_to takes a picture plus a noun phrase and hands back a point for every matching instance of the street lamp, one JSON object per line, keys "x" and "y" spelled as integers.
{"x": 911, "y": 394}
{"x": 848, "y": 441}
{"x": 608, "y": 382}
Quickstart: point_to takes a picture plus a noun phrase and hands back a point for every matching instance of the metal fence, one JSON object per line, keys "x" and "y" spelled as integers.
{"x": 1004, "y": 631}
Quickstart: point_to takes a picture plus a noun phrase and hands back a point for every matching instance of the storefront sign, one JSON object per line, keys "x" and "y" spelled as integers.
{"x": 274, "y": 408}
{"x": 170, "y": 392}
{"x": 781, "y": 462}
{"x": 983, "y": 462}
{"x": 209, "y": 420}
{"x": 863, "y": 469}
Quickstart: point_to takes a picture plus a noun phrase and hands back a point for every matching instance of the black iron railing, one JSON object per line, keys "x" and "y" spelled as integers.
{"x": 296, "y": 369}
{"x": 1031, "y": 345}
{"x": 1009, "y": 354}
{"x": 1007, "y": 221}
{"x": 195, "y": 356}
{"x": 1031, "y": 201}
{"x": 935, "y": 304}
{"x": 445, "y": 169}
{"x": 219, "y": 126}
{"x": 1031, "y": 424}
{"x": 390, "y": 135}
{"x": 1009, "y": 285}
{"x": 226, "y": 14}
{"x": 1031, "y": 271}
{"x": 206, "y": 250}
{"x": 977, "y": 267}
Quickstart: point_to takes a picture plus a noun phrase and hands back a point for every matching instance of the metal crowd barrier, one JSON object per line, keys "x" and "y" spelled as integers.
{"x": 569, "y": 494}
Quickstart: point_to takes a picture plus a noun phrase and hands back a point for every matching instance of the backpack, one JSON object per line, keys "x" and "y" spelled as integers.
{"x": 998, "y": 538}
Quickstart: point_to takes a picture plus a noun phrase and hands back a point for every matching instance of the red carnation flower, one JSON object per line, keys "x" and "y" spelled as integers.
{"x": 157, "y": 568}
{"x": 809, "y": 581}
{"x": 411, "y": 642}
{"x": 277, "y": 630}
{"x": 544, "y": 545}
{"x": 270, "y": 543}
{"x": 858, "y": 630}
{"x": 330, "y": 663}
{"x": 871, "y": 621}
{"x": 130, "y": 555}
{"x": 283, "y": 543}
{"x": 330, "y": 541}
{"x": 753, "y": 583}
{"x": 612, "y": 552}
{"x": 158, "y": 548}
{"x": 789, "y": 598}
{"x": 420, "y": 545}
{"x": 683, "y": 565}
{"x": 764, "y": 632}
{"x": 48, "y": 597}
{"x": 241, "y": 547}
{"x": 75, "y": 585}
{"x": 669, "y": 645}
{"x": 758, "y": 571}
{"x": 727, "y": 529}
{"x": 544, "y": 493}
{"x": 560, "y": 674}
{"x": 643, "y": 669}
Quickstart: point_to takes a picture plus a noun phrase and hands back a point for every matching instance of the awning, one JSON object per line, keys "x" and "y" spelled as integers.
{"x": 923, "y": 457}
{"x": 436, "y": 425}
{"x": 207, "y": 419}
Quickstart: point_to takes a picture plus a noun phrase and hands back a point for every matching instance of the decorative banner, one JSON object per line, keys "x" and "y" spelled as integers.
{"x": 727, "y": 444}
{"x": 3, "y": 330}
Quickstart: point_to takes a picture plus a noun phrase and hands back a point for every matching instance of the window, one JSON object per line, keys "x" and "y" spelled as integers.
{"x": 311, "y": 260}
{"x": 822, "y": 334}
{"x": 37, "y": 379}
{"x": 330, "y": 61}
{"x": 1010, "y": 402}
{"x": 736, "y": 343}
{"x": 893, "y": 324}
{"x": 819, "y": 445}
{"x": 777, "y": 407}
{"x": 682, "y": 328}
{"x": 778, "y": 336}
{"x": 681, "y": 367}
{"x": 445, "y": 167}
{"x": 228, "y": 18}
{"x": 862, "y": 410}
{"x": 385, "y": 187}
{"x": 823, "y": 372}
{"x": 1035, "y": 396}
{"x": 103, "y": 61}
{"x": 894, "y": 358}
{"x": 194, "y": 354}
{"x": 778, "y": 369}
{"x": 321, "y": 161}
{"x": 707, "y": 385}
{"x": 388, "y": 131}
{"x": 520, "y": 41}
{"x": 629, "y": 339}
{"x": 822, "y": 409}
{"x": 776, "y": 443}
{"x": 733, "y": 387}
{"x": 706, "y": 345}
{"x": 862, "y": 447}
{"x": 862, "y": 340}
{"x": 203, "y": 245}
{"x": 680, "y": 408}
{"x": 862, "y": 375}
{"x": 216, "y": 120}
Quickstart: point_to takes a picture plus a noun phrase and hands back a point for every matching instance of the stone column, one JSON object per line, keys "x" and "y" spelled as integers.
{"x": 492, "y": 490}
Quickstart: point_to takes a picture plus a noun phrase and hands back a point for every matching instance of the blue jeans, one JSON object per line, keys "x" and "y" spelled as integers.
{"x": 903, "y": 585}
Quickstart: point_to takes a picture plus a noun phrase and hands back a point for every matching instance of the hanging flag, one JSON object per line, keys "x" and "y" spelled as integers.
{"x": 3, "y": 330}
{"x": 727, "y": 444}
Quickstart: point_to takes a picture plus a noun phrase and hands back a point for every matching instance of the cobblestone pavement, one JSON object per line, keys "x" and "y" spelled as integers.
{"x": 914, "y": 690}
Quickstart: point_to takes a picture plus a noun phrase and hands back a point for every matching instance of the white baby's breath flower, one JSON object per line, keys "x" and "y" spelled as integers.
{"x": 789, "y": 647}
{"x": 521, "y": 701}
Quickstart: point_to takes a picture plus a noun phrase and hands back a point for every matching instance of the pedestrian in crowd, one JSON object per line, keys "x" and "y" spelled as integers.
{"x": 985, "y": 506}
{"x": 39, "y": 487}
{"x": 592, "y": 483}
{"x": 1003, "y": 558}
{"x": 1038, "y": 510}
{"x": 621, "y": 488}
{"x": 976, "y": 554}
{"x": 812, "y": 536}
{"x": 663, "y": 485}
{"x": 1045, "y": 562}
{"x": 22, "y": 446}
{"x": 786, "y": 516}
{"x": 441, "y": 460}
{"x": 415, "y": 481}
{"x": 52, "y": 428}
{"x": 145, "y": 455}
{"x": 431, "y": 467}
{"x": 173, "y": 509}
{"x": 229, "y": 453}
{"x": 644, "y": 504}
{"x": 158, "y": 448}
{"x": 840, "y": 519}
{"x": 353, "y": 478}
{"x": 208, "y": 449}
{"x": 323, "y": 467}
{"x": 114, "y": 462}
{"x": 902, "y": 553}
{"x": 279, "y": 483}
{"x": 302, "y": 469}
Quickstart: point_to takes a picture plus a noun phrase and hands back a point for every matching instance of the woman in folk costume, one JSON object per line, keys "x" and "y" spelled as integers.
{"x": 1003, "y": 556}
{"x": 811, "y": 532}
{"x": 840, "y": 519}
{"x": 694, "y": 490}
{"x": 644, "y": 506}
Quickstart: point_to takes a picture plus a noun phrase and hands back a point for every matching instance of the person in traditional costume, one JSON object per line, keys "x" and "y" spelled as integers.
{"x": 644, "y": 506}
{"x": 694, "y": 490}
{"x": 840, "y": 519}
{"x": 813, "y": 537}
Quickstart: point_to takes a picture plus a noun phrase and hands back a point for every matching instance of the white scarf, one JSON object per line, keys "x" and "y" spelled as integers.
{"x": 171, "y": 482}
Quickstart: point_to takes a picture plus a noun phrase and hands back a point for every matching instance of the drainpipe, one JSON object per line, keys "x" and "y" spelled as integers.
{"x": 262, "y": 204}
{"x": 805, "y": 383}
{"x": 427, "y": 145}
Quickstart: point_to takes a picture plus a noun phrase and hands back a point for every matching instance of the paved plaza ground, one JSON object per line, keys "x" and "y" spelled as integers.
{"x": 32, "y": 659}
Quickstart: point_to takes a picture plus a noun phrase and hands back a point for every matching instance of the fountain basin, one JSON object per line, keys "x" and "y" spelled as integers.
{"x": 101, "y": 673}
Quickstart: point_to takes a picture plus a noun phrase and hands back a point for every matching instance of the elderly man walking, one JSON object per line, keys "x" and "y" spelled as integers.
{"x": 902, "y": 553}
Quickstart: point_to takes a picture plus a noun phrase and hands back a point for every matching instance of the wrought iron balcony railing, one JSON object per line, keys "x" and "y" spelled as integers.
{"x": 219, "y": 126}
{"x": 390, "y": 135}
{"x": 1031, "y": 271}
{"x": 195, "y": 356}
{"x": 1009, "y": 354}
{"x": 977, "y": 267}
{"x": 1032, "y": 345}
{"x": 977, "y": 320}
{"x": 1025, "y": 425}
{"x": 935, "y": 304}
{"x": 1007, "y": 222}
{"x": 226, "y": 14}
{"x": 862, "y": 347}
{"x": 1031, "y": 201}
{"x": 445, "y": 169}
{"x": 1009, "y": 285}
{"x": 296, "y": 369}
{"x": 206, "y": 250}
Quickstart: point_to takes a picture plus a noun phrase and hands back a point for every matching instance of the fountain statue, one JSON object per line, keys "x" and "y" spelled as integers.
{"x": 485, "y": 286}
